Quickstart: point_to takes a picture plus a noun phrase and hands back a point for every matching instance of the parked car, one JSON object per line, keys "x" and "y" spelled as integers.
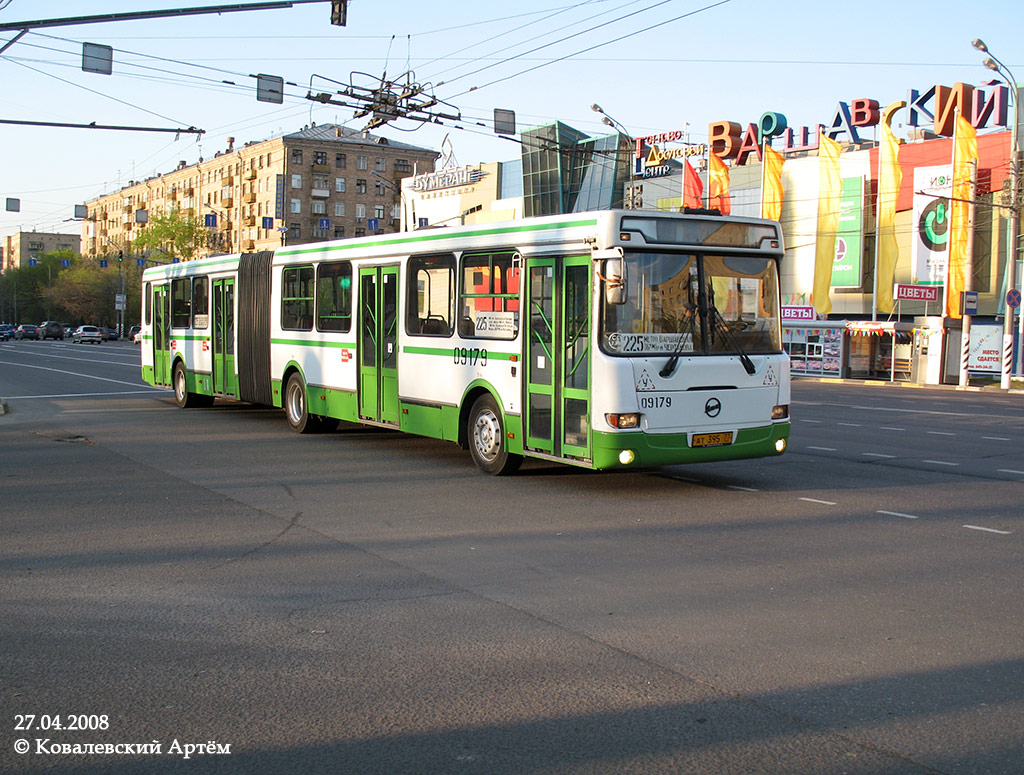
{"x": 87, "y": 334}
{"x": 110, "y": 334}
{"x": 134, "y": 334}
{"x": 6, "y": 332}
{"x": 50, "y": 329}
{"x": 26, "y": 331}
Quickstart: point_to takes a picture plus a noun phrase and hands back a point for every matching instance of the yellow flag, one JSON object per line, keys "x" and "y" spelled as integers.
{"x": 718, "y": 185}
{"x": 829, "y": 192}
{"x": 771, "y": 184}
{"x": 890, "y": 177}
{"x": 965, "y": 151}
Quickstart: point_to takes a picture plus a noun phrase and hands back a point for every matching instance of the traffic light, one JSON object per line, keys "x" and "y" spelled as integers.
{"x": 339, "y": 12}
{"x": 120, "y": 256}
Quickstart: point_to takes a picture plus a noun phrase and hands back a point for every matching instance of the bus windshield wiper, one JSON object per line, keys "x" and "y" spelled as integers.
{"x": 716, "y": 317}
{"x": 670, "y": 365}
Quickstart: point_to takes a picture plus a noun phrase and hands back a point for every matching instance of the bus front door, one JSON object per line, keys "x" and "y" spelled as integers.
{"x": 224, "y": 380}
{"x": 558, "y": 357}
{"x": 378, "y": 344}
{"x": 161, "y": 335}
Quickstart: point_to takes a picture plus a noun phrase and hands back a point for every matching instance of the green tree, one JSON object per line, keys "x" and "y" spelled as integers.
{"x": 173, "y": 235}
{"x": 86, "y": 292}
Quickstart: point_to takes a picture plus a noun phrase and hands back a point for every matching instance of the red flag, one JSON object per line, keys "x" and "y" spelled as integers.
{"x": 693, "y": 188}
{"x": 718, "y": 185}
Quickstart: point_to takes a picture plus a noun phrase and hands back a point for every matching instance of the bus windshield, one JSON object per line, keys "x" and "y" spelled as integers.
{"x": 690, "y": 304}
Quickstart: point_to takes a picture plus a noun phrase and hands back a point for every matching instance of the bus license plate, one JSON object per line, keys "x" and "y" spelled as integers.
{"x": 712, "y": 439}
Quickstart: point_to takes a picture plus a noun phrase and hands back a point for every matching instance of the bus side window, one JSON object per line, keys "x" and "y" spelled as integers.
{"x": 430, "y": 305}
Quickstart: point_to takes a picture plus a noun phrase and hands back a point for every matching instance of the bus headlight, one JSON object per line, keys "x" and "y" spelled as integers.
{"x": 780, "y": 412}
{"x": 780, "y": 446}
{"x": 627, "y": 456}
{"x": 631, "y": 420}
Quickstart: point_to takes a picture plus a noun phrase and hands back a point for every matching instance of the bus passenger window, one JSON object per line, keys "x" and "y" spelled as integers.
{"x": 334, "y": 297}
{"x": 489, "y": 300}
{"x": 181, "y": 303}
{"x": 431, "y": 299}
{"x": 297, "y": 298}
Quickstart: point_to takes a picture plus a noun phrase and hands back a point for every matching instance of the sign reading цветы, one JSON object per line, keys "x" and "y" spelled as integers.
{"x": 929, "y": 293}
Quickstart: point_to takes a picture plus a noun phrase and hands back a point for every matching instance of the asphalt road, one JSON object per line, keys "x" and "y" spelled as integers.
{"x": 367, "y": 602}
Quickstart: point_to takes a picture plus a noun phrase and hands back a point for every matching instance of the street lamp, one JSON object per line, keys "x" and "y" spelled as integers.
{"x": 993, "y": 63}
{"x": 607, "y": 120}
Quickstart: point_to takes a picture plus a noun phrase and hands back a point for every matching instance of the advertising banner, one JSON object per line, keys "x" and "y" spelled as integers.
{"x": 986, "y": 352}
{"x": 929, "y": 252}
{"x": 846, "y": 269}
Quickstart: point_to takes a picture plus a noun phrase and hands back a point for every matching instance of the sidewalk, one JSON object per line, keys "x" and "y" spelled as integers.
{"x": 979, "y": 386}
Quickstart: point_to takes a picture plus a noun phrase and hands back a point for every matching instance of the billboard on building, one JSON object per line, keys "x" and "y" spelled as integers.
{"x": 846, "y": 268}
{"x": 929, "y": 251}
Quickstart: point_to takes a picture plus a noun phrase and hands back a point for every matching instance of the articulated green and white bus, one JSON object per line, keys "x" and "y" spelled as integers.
{"x": 605, "y": 339}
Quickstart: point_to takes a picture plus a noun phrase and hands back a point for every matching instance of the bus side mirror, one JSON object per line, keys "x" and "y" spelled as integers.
{"x": 611, "y": 270}
{"x": 614, "y": 281}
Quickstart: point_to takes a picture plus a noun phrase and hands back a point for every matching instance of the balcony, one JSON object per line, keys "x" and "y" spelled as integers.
{"x": 321, "y": 167}
{"x": 250, "y": 199}
{"x": 249, "y": 220}
{"x": 227, "y": 201}
{"x": 321, "y": 193}
{"x": 249, "y": 245}
{"x": 250, "y": 174}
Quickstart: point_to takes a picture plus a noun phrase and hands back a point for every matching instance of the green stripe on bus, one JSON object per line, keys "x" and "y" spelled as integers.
{"x": 442, "y": 235}
{"x": 314, "y": 343}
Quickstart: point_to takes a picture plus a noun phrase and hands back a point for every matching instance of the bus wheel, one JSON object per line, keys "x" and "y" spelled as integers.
{"x": 487, "y": 443}
{"x": 182, "y": 396}
{"x": 295, "y": 409}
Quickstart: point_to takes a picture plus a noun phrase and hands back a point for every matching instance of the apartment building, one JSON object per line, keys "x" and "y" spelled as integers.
{"x": 17, "y": 249}
{"x": 322, "y": 182}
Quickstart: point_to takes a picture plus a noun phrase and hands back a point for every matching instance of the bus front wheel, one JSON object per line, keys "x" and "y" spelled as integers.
{"x": 487, "y": 443}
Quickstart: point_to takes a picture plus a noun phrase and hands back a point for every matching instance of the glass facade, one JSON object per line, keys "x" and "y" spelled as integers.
{"x": 567, "y": 171}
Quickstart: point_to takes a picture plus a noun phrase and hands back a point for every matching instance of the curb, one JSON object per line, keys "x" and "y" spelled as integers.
{"x": 3, "y": 406}
{"x": 919, "y": 386}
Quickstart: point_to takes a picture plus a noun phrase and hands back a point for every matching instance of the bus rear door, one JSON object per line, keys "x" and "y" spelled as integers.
{"x": 161, "y": 335}
{"x": 224, "y": 380}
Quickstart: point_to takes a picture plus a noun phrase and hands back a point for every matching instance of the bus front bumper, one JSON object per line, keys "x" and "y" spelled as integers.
{"x": 641, "y": 449}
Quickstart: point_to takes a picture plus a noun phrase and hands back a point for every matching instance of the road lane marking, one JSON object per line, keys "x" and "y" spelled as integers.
{"x": 877, "y": 454}
{"x": 825, "y": 449}
{"x": 813, "y": 421}
{"x": 941, "y": 463}
{"x": 74, "y": 374}
{"x": 815, "y": 500}
{"x": 940, "y": 433}
{"x": 989, "y": 530}
{"x": 91, "y": 395}
{"x": 890, "y": 428}
{"x": 996, "y": 438}
{"x": 134, "y": 363}
{"x": 849, "y": 424}
{"x": 897, "y": 514}
{"x": 743, "y": 489}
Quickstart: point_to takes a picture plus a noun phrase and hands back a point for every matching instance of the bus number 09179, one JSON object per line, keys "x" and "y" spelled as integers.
{"x": 655, "y": 402}
{"x": 470, "y": 356}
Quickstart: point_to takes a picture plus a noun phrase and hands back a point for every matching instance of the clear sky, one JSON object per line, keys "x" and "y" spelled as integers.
{"x": 653, "y": 65}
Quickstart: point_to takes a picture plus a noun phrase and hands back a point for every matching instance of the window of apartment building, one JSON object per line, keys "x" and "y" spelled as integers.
{"x": 296, "y": 156}
{"x": 318, "y": 233}
{"x": 339, "y": 232}
{"x": 361, "y": 163}
{"x": 360, "y": 212}
{"x": 339, "y": 185}
{"x": 396, "y": 211}
{"x": 360, "y": 185}
{"x": 360, "y": 232}
{"x": 320, "y": 157}
{"x": 378, "y": 211}
{"x": 294, "y": 231}
{"x": 318, "y": 207}
{"x": 296, "y": 206}
{"x": 320, "y": 183}
{"x": 402, "y": 165}
{"x": 339, "y": 209}
{"x": 296, "y": 181}
{"x": 340, "y": 160}
{"x": 378, "y": 187}
{"x": 382, "y": 164}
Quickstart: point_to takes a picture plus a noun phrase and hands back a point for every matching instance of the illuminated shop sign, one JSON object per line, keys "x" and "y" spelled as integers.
{"x": 447, "y": 178}
{"x": 936, "y": 105}
{"x": 650, "y": 160}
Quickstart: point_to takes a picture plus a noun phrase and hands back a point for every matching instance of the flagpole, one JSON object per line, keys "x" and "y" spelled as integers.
{"x": 878, "y": 220}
